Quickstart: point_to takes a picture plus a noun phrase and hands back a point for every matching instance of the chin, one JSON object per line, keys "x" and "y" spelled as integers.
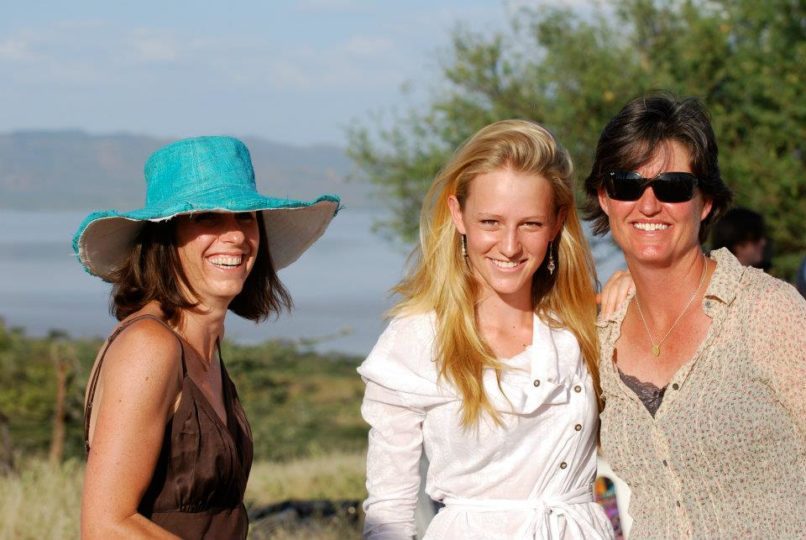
{"x": 508, "y": 289}
{"x": 651, "y": 256}
{"x": 228, "y": 294}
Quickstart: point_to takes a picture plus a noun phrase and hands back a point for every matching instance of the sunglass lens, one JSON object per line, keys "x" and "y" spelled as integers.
{"x": 674, "y": 187}
{"x": 625, "y": 186}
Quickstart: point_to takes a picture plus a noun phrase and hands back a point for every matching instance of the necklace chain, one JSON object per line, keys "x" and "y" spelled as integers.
{"x": 656, "y": 347}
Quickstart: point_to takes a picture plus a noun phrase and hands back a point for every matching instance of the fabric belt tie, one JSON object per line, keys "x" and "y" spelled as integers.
{"x": 545, "y": 511}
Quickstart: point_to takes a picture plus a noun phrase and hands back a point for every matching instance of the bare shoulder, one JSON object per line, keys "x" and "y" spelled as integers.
{"x": 139, "y": 384}
{"x": 144, "y": 356}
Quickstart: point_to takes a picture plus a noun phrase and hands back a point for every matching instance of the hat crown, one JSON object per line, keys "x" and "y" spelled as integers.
{"x": 197, "y": 175}
{"x": 189, "y": 168}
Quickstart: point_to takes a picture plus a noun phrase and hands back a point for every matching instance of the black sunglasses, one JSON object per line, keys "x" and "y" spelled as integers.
{"x": 669, "y": 187}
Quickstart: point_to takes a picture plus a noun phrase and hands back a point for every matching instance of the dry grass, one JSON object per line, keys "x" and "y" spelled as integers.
{"x": 43, "y": 502}
{"x": 334, "y": 477}
{"x": 338, "y": 476}
{"x": 332, "y": 529}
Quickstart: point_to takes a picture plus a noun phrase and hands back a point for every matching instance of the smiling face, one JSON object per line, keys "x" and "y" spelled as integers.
{"x": 654, "y": 232}
{"x": 217, "y": 251}
{"x": 508, "y": 218}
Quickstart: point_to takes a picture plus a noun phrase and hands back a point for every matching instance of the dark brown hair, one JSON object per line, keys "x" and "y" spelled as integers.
{"x": 153, "y": 272}
{"x": 738, "y": 225}
{"x": 633, "y": 136}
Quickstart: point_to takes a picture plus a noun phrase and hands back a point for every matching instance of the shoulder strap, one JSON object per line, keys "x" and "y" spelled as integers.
{"x": 218, "y": 348}
{"x": 94, "y": 379}
{"x": 225, "y": 378}
{"x": 234, "y": 425}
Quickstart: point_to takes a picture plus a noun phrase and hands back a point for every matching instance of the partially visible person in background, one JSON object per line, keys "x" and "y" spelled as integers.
{"x": 800, "y": 279}
{"x": 743, "y": 232}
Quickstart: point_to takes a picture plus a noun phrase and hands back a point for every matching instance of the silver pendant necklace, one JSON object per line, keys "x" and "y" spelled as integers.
{"x": 656, "y": 346}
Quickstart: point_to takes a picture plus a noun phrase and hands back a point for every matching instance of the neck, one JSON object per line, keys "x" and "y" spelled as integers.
{"x": 202, "y": 329}
{"x": 498, "y": 312}
{"x": 665, "y": 291}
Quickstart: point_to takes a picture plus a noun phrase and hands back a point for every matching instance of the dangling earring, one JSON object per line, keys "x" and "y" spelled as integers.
{"x": 551, "y": 266}
{"x": 463, "y": 243}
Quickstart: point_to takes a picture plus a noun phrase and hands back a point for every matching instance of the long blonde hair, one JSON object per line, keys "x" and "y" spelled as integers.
{"x": 442, "y": 281}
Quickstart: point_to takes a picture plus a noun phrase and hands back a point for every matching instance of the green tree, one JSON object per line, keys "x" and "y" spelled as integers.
{"x": 299, "y": 403}
{"x": 30, "y": 383}
{"x": 572, "y": 72}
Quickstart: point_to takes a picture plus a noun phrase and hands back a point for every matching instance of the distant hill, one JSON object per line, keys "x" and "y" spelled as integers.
{"x": 73, "y": 170}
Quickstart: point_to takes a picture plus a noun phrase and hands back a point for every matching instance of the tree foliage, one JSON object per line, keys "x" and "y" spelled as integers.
{"x": 299, "y": 403}
{"x": 573, "y": 71}
{"x": 28, "y": 388}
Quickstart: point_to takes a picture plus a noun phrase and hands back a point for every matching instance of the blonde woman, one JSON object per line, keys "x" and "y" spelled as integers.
{"x": 489, "y": 364}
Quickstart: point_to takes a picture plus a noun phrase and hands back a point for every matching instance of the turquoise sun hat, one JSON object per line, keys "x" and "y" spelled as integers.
{"x": 202, "y": 174}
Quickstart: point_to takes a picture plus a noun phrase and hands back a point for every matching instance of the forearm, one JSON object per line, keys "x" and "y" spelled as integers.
{"x": 96, "y": 527}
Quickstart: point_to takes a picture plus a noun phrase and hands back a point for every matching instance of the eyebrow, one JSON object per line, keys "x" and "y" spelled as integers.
{"x": 534, "y": 217}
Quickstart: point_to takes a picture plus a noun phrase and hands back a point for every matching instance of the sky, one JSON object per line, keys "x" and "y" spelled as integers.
{"x": 297, "y": 72}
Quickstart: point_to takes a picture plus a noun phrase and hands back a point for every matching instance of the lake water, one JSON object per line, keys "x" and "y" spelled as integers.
{"x": 340, "y": 286}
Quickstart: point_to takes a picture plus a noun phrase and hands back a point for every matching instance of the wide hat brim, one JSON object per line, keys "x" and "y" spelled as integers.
{"x": 104, "y": 239}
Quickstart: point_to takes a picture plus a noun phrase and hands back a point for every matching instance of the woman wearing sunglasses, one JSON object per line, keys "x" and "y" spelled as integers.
{"x": 703, "y": 366}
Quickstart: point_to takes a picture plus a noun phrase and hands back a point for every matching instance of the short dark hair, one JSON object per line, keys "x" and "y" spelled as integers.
{"x": 631, "y": 138}
{"x": 737, "y": 226}
{"x": 153, "y": 272}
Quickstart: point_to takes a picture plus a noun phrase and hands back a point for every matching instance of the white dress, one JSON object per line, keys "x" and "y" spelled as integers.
{"x": 529, "y": 479}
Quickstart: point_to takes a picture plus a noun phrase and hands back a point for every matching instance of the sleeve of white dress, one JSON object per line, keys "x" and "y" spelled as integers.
{"x": 393, "y": 456}
{"x": 398, "y": 389}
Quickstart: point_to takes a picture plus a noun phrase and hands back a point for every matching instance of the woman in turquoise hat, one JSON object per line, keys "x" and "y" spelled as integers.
{"x": 169, "y": 447}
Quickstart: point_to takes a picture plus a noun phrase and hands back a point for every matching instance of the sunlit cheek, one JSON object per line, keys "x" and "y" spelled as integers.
{"x": 480, "y": 240}
{"x": 537, "y": 244}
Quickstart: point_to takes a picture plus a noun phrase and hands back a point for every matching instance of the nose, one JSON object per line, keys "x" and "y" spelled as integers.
{"x": 648, "y": 204}
{"x": 232, "y": 230}
{"x": 510, "y": 244}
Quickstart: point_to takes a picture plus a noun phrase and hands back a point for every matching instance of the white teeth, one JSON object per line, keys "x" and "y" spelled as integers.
{"x": 226, "y": 261}
{"x": 505, "y": 264}
{"x": 650, "y": 226}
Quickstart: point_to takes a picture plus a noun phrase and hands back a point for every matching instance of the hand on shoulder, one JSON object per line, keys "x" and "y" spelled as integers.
{"x": 614, "y": 292}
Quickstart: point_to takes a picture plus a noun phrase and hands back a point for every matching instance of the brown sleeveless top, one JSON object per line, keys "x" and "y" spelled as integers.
{"x": 199, "y": 481}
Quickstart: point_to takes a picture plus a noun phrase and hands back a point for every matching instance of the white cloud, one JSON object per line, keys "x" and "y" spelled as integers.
{"x": 368, "y": 46}
{"x": 151, "y": 46}
{"x": 53, "y": 55}
{"x": 16, "y": 49}
{"x": 121, "y": 74}
{"x": 98, "y": 54}
{"x": 330, "y": 6}
{"x": 284, "y": 74}
{"x": 92, "y": 53}
{"x": 531, "y": 4}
